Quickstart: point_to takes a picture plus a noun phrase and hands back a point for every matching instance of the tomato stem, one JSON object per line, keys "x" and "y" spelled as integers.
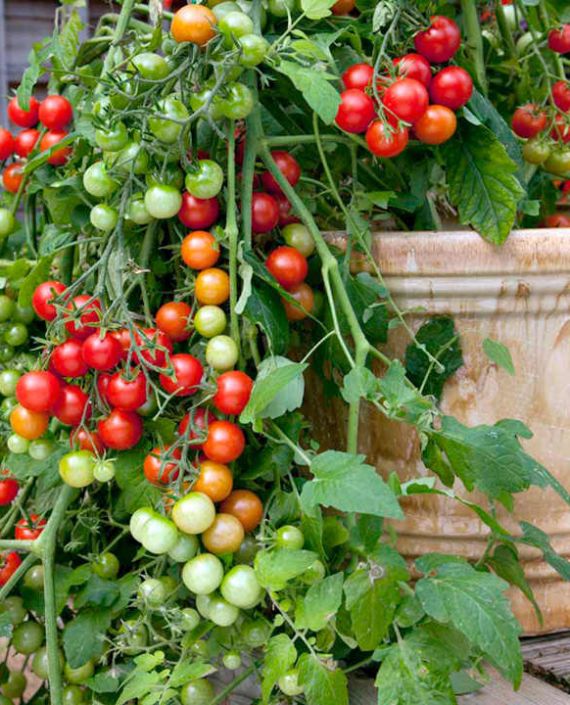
{"x": 232, "y": 235}
{"x": 475, "y": 41}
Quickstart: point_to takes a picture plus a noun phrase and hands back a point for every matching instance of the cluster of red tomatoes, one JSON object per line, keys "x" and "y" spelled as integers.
{"x": 405, "y": 100}
{"x": 54, "y": 113}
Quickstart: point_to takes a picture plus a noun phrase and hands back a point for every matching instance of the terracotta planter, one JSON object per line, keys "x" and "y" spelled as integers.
{"x": 519, "y": 295}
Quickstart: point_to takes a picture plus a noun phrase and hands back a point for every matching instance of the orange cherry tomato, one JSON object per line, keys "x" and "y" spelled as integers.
{"x": 172, "y": 319}
{"x": 225, "y": 535}
{"x": 12, "y": 177}
{"x": 199, "y": 250}
{"x": 436, "y": 125}
{"x": 215, "y": 480}
{"x": 303, "y": 295}
{"x": 245, "y": 506}
{"x": 195, "y": 24}
{"x": 28, "y": 424}
{"x": 343, "y": 7}
{"x": 212, "y": 286}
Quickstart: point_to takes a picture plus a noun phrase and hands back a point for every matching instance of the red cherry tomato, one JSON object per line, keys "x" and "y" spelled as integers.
{"x": 452, "y": 87}
{"x": 233, "y": 390}
{"x": 82, "y": 326}
{"x": 9, "y": 564}
{"x": 224, "y": 443}
{"x": 154, "y": 346}
{"x": 9, "y": 489}
{"x": 120, "y": 430}
{"x": 55, "y": 112}
{"x": 561, "y": 95}
{"x": 123, "y": 337}
{"x": 198, "y": 213}
{"x": 343, "y": 7}
{"x": 188, "y": 372}
{"x": 198, "y": 420}
{"x": 12, "y": 177}
{"x": 101, "y": 353}
{"x": 43, "y": 297}
{"x": 127, "y": 394}
{"x": 67, "y": 359}
{"x": 87, "y": 440}
{"x": 414, "y": 66}
{"x": 264, "y": 212}
{"x": 158, "y": 468}
{"x": 529, "y": 120}
{"x": 358, "y": 76}
{"x": 173, "y": 319}
{"x": 288, "y": 266}
{"x": 103, "y": 385}
{"x": 558, "y": 220}
{"x": 355, "y": 112}
{"x": 59, "y": 156}
{"x": 29, "y": 531}
{"x": 288, "y": 166}
{"x": 72, "y": 406}
{"x": 559, "y": 39}
{"x": 286, "y": 216}
{"x": 26, "y": 141}
{"x": 23, "y": 118}
{"x": 561, "y": 129}
{"x": 303, "y": 295}
{"x": 7, "y": 144}
{"x": 407, "y": 99}
{"x": 38, "y": 391}
{"x": 386, "y": 144}
{"x": 440, "y": 41}
{"x": 436, "y": 126}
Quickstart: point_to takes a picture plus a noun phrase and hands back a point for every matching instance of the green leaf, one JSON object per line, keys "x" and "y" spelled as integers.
{"x": 359, "y": 383}
{"x": 439, "y": 338}
{"x": 316, "y": 89}
{"x": 499, "y": 354}
{"x": 278, "y": 388}
{"x": 97, "y": 593}
{"x": 139, "y": 686}
{"x": 136, "y": 491}
{"x": 23, "y": 467}
{"x": 533, "y": 536}
{"x": 365, "y": 293}
{"x": 66, "y": 43}
{"x": 103, "y": 682}
{"x": 279, "y": 658}
{"x": 322, "y": 602}
{"x": 36, "y": 276}
{"x": 506, "y": 564}
{"x": 184, "y": 672}
{"x": 345, "y": 482}
{"x": 31, "y": 75}
{"x": 401, "y": 400}
{"x": 475, "y": 604}
{"x": 317, "y": 9}
{"x": 84, "y": 636}
{"x": 265, "y": 310}
{"x": 325, "y": 684}
{"x": 274, "y": 569}
{"x": 482, "y": 181}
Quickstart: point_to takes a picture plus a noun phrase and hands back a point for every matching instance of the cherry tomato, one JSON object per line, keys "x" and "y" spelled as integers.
{"x": 199, "y": 421}
{"x": 127, "y": 394}
{"x": 188, "y": 372}
{"x": 245, "y": 506}
{"x": 238, "y": 102}
{"x": 205, "y": 180}
{"x": 21, "y": 117}
{"x": 561, "y": 95}
{"x": 173, "y": 319}
{"x": 66, "y": 359}
{"x": 76, "y": 468}
{"x": 210, "y": 321}
{"x": 28, "y": 424}
{"x": 407, "y": 99}
{"x": 343, "y": 7}
{"x": 15, "y": 685}
{"x": 452, "y": 87}
{"x": 112, "y": 138}
{"x": 43, "y": 297}
{"x": 198, "y": 213}
{"x": 26, "y": 142}
{"x": 158, "y": 468}
{"x": 290, "y": 538}
{"x": 154, "y": 344}
{"x": 253, "y": 50}
{"x": 222, "y": 353}
{"x": 101, "y": 353}
{"x": 34, "y": 578}
{"x": 303, "y": 295}
{"x": 356, "y": 111}
{"x": 9, "y": 563}
{"x": 38, "y": 391}
{"x": 535, "y": 151}
{"x": 151, "y": 66}
{"x": 232, "y": 392}
{"x": 55, "y": 112}
{"x": 241, "y": 588}
{"x": 87, "y": 440}
{"x": 288, "y": 266}
{"x": 264, "y": 212}
{"x": 286, "y": 216}
{"x": 224, "y": 535}
{"x": 12, "y": 177}
{"x": 166, "y": 122}
{"x": 414, "y": 66}
{"x": 386, "y": 144}
{"x": 78, "y": 676}
{"x": 558, "y": 163}
{"x": 29, "y": 531}
{"x": 358, "y": 76}
{"x": 288, "y": 166}
{"x": 8, "y": 491}
{"x": 194, "y": 513}
{"x": 440, "y": 41}
{"x": 14, "y": 608}
{"x": 558, "y": 220}
{"x": 162, "y": 201}
{"x": 59, "y": 156}
{"x": 215, "y": 480}
{"x": 200, "y": 250}
{"x": 235, "y": 24}
{"x": 195, "y": 24}
{"x": 8, "y": 382}
{"x": 89, "y": 309}
{"x": 7, "y": 144}
{"x": 203, "y": 574}
{"x": 559, "y": 39}
{"x": 212, "y": 286}
{"x": 289, "y": 684}
{"x": 7, "y": 222}
{"x": 528, "y": 120}
{"x": 97, "y": 181}
{"x": 561, "y": 129}
{"x": 185, "y": 548}
{"x": 437, "y": 125}
{"x": 16, "y": 334}
{"x": 103, "y": 217}
{"x": 224, "y": 443}
{"x": 120, "y": 430}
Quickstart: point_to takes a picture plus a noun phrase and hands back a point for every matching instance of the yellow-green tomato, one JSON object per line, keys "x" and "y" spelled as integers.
{"x": 185, "y": 548}
{"x": 210, "y": 321}
{"x": 298, "y": 236}
{"x": 222, "y": 353}
{"x": 241, "y": 588}
{"x": 79, "y": 675}
{"x": 97, "y": 181}
{"x": 137, "y": 212}
{"x": 76, "y": 468}
{"x": 159, "y": 535}
{"x": 194, "y": 513}
{"x": 203, "y": 574}
{"x": 7, "y": 222}
{"x": 197, "y": 692}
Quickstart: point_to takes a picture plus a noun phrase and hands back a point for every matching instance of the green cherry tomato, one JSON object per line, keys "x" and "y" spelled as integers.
{"x": 104, "y": 470}
{"x": 253, "y": 50}
{"x": 315, "y": 573}
{"x": 17, "y": 444}
{"x": 72, "y": 695}
{"x": 255, "y": 632}
{"x": 106, "y": 565}
{"x": 8, "y": 381}
{"x": 34, "y": 578}
{"x": 235, "y": 24}
{"x": 163, "y": 201}
{"x": 222, "y": 613}
{"x": 241, "y": 588}
{"x": 289, "y": 684}
{"x": 166, "y": 122}
{"x": 159, "y": 535}
{"x": 203, "y": 574}
{"x": 7, "y": 308}
{"x": 194, "y": 513}
{"x": 210, "y": 321}
{"x": 536, "y": 151}
{"x": 76, "y": 468}
{"x": 298, "y": 236}
{"x": 203, "y": 605}
{"x": 238, "y": 103}
{"x": 558, "y": 163}
{"x": 138, "y": 521}
{"x": 15, "y": 685}
{"x": 149, "y": 408}
{"x": 201, "y": 98}
{"x": 7, "y": 406}
{"x": 197, "y": 692}
{"x": 112, "y": 138}
{"x": 137, "y": 212}
{"x": 189, "y": 619}
{"x": 152, "y": 592}
{"x": 247, "y": 551}
{"x": 151, "y": 66}
{"x": 77, "y": 676}
{"x": 40, "y": 662}
{"x": 7, "y": 222}
{"x": 7, "y": 352}
{"x": 27, "y": 638}
{"x": 132, "y": 637}
{"x": 171, "y": 175}
{"x": 23, "y": 314}
{"x": 184, "y": 549}
{"x": 41, "y": 449}
{"x": 132, "y": 158}
{"x": 119, "y": 100}
{"x": 97, "y": 182}
{"x": 103, "y": 217}
{"x": 224, "y": 8}
{"x": 232, "y": 660}
{"x": 280, "y": 8}
{"x": 221, "y": 353}
{"x": 13, "y": 606}
{"x": 290, "y": 538}
{"x": 170, "y": 585}
{"x": 206, "y": 180}
{"x": 16, "y": 334}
